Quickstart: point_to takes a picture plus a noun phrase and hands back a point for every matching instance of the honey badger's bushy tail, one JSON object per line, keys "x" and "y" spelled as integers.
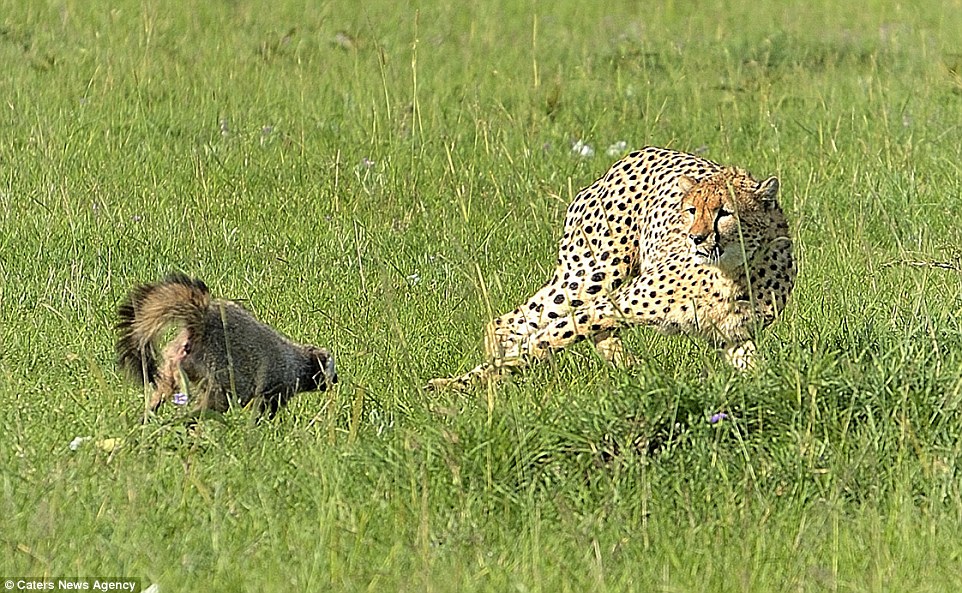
{"x": 148, "y": 310}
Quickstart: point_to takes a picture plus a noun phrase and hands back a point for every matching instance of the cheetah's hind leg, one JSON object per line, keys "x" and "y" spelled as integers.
{"x": 482, "y": 373}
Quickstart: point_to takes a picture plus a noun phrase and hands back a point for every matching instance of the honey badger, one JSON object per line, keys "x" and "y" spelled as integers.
{"x": 221, "y": 353}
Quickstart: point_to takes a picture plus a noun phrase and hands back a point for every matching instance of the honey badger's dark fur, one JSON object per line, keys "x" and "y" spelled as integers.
{"x": 223, "y": 352}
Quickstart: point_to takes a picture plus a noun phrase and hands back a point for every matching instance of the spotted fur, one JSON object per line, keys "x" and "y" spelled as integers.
{"x": 664, "y": 239}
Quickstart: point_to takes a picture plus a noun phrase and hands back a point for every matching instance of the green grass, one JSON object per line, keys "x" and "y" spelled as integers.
{"x": 381, "y": 177}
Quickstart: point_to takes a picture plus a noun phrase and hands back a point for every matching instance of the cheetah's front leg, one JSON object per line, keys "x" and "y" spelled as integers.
{"x": 610, "y": 347}
{"x": 741, "y": 356}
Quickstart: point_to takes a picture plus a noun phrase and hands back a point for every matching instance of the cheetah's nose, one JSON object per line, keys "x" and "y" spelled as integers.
{"x": 697, "y": 239}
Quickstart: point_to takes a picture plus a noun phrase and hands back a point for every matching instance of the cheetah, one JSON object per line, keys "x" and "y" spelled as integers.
{"x": 664, "y": 239}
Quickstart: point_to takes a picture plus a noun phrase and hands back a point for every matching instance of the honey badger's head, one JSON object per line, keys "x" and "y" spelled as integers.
{"x": 322, "y": 370}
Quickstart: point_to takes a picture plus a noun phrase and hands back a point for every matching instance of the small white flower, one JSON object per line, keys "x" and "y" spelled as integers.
{"x": 617, "y": 149}
{"x": 581, "y": 149}
{"x": 77, "y": 441}
{"x": 413, "y": 279}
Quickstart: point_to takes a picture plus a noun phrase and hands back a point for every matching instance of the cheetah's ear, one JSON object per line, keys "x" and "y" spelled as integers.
{"x": 685, "y": 183}
{"x": 767, "y": 191}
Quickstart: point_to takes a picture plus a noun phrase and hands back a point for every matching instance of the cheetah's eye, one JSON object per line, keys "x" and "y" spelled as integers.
{"x": 690, "y": 210}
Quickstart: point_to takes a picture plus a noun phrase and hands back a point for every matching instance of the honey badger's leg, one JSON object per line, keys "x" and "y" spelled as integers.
{"x": 166, "y": 384}
{"x": 170, "y": 376}
{"x": 211, "y": 396}
{"x": 191, "y": 370}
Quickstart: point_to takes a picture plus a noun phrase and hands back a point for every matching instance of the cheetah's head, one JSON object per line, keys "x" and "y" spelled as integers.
{"x": 727, "y": 216}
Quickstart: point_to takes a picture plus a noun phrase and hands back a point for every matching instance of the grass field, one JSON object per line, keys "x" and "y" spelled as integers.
{"x": 382, "y": 177}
